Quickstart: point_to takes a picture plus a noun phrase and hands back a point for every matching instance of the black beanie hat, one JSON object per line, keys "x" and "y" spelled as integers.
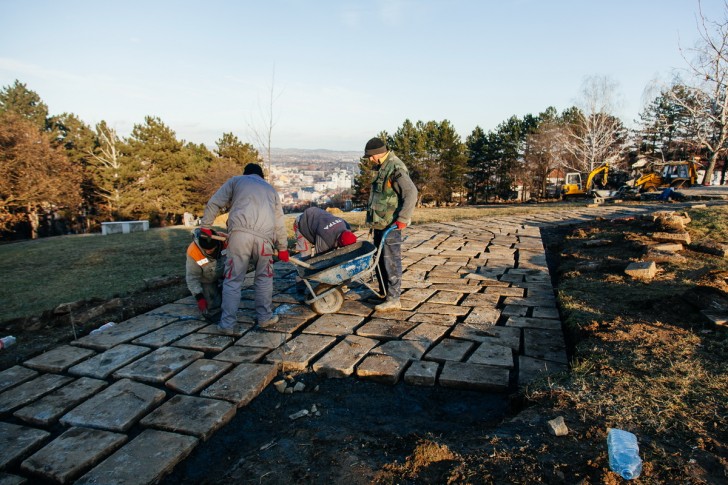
{"x": 253, "y": 169}
{"x": 375, "y": 146}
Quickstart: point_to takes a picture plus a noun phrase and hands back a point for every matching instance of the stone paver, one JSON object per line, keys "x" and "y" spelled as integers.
{"x": 59, "y": 359}
{"x": 342, "y": 359}
{"x": 198, "y": 375}
{"x": 334, "y": 324}
{"x": 116, "y": 408}
{"x": 176, "y": 416}
{"x": 474, "y": 376}
{"x": 73, "y": 453}
{"x": 144, "y": 460}
{"x": 124, "y": 331}
{"x": 382, "y": 368}
{"x": 384, "y": 329}
{"x": 239, "y": 353}
{"x": 298, "y": 353}
{"x": 242, "y": 384}
{"x": 170, "y": 333}
{"x": 421, "y": 373}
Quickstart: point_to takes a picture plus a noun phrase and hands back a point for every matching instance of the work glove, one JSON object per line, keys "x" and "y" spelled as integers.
{"x": 400, "y": 225}
{"x": 283, "y": 256}
{"x": 201, "y": 303}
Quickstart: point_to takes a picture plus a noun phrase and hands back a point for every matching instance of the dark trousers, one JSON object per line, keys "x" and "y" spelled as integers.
{"x": 390, "y": 262}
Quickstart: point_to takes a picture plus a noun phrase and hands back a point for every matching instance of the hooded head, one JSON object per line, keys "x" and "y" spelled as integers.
{"x": 211, "y": 247}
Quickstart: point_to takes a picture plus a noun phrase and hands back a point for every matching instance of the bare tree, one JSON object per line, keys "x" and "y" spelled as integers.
{"x": 544, "y": 153}
{"x": 106, "y": 160}
{"x": 707, "y": 99}
{"x": 263, "y": 130}
{"x": 596, "y": 135}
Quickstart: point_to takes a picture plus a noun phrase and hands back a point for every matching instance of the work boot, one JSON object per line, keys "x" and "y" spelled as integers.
{"x": 271, "y": 321}
{"x": 389, "y": 306}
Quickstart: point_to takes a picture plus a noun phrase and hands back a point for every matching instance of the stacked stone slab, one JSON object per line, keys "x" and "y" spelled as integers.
{"x": 478, "y": 313}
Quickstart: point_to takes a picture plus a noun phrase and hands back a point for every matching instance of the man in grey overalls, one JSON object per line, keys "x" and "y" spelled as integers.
{"x": 391, "y": 202}
{"x": 255, "y": 226}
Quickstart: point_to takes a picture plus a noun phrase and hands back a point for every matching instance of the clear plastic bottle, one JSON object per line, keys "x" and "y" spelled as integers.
{"x": 7, "y": 341}
{"x": 624, "y": 457}
{"x": 102, "y": 328}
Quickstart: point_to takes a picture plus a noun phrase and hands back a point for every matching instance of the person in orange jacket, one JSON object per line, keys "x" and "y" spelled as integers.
{"x": 205, "y": 268}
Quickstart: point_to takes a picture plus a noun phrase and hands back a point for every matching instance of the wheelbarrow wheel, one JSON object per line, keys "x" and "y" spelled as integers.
{"x": 331, "y": 303}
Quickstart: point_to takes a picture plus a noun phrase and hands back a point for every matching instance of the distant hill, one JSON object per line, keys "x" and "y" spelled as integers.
{"x": 321, "y": 155}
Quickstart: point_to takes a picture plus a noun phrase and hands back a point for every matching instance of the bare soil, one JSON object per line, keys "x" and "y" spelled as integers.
{"x": 623, "y": 342}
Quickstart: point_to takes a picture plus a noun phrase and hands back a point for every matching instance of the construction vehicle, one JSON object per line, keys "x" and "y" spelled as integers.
{"x": 675, "y": 174}
{"x": 597, "y": 183}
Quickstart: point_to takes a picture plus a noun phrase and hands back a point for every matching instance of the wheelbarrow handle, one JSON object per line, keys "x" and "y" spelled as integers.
{"x": 297, "y": 262}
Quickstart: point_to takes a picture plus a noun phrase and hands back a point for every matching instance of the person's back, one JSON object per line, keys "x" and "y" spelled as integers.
{"x": 253, "y": 203}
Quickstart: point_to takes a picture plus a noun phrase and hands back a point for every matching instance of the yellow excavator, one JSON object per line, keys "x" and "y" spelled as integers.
{"x": 576, "y": 185}
{"x": 676, "y": 174}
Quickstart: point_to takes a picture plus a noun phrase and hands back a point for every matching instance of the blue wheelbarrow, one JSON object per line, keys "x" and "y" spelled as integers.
{"x": 330, "y": 272}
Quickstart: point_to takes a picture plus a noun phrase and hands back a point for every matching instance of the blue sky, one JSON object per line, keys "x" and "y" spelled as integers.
{"x": 338, "y": 71}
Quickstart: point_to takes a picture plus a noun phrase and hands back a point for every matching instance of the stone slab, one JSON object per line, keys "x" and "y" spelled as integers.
{"x": 418, "y": 294}
{"x": 351, "y": 307}
{"x": 197, "y": 376}
{"x": 514, "y": 311}
{"x": 546, "y": 312}
{"x": 160, "y": 365}
{"x": 492, "y": 354}
{"x": 144, "y": 460}
{"x": 402, "y": 349}
{"x": 465, "y": 375}
{"x": 205, "y": 342}
{"x": 240, "y": 353}
{"x": 298, "y": 353}
{"x": 287, "y": 310}
{"x": 179, "y": 310}
{"x": 544, "y": 344}
{"x": 440, "y": 309}
{"x": 456, "y": 287}
{"x": 381, "y": 368}
{"x": 450, "y": 349}
{"x": 426, "y": 333}
{"x": 483, "y": 314}
{"x": 285, "y": 324}
{"x": 196, "y": 416}
{"x": 530, "y": 322}
{"x": 29, "y": 391}
{"x": 102, "y": 365}
{"x": 505, "y": 291}
{"x": 421, "y": 373}
{"x": 393, "y": 315}
{"x": 508, "y": 336}
{"x": 341, "y": 360}
{"x": 239, "y": 329}
{"x": 124, "y": 332}
{"x": 116, "y": 408}
{"x": 446, "y": 297}
{"x": 17, "y": 442}
{"x": 59, "y": 359}
{"x": 15, "y": 375}
{"x": 74, "y": 452}
{"x": 170, "y": 333}
{"x": 384, "y": 329}
{"x": 643, "y": 270}
{"x": 242, "y": 384}
{"x": 263, "y": 339}
{"x": 436, "y": 319}
{"x": 530, "y": 368}
{"x": 334, "y": 324}
{"x": 48, "y": 409}
{"x": 408, "y": 305}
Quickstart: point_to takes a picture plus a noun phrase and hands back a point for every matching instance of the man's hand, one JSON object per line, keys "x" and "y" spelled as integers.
{"x": 283, "y": 256}
{"x": 201, "y": 303}
{"x": 400, "y": 225}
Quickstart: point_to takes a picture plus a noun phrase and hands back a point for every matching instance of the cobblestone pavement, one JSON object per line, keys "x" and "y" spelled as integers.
{"x": 478, "y": 312}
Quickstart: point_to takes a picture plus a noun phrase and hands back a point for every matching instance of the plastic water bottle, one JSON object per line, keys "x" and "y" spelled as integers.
{"x": 102, "y": 328}
{"x": 624, "y": 457}
{"x": 7, "y": 341}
